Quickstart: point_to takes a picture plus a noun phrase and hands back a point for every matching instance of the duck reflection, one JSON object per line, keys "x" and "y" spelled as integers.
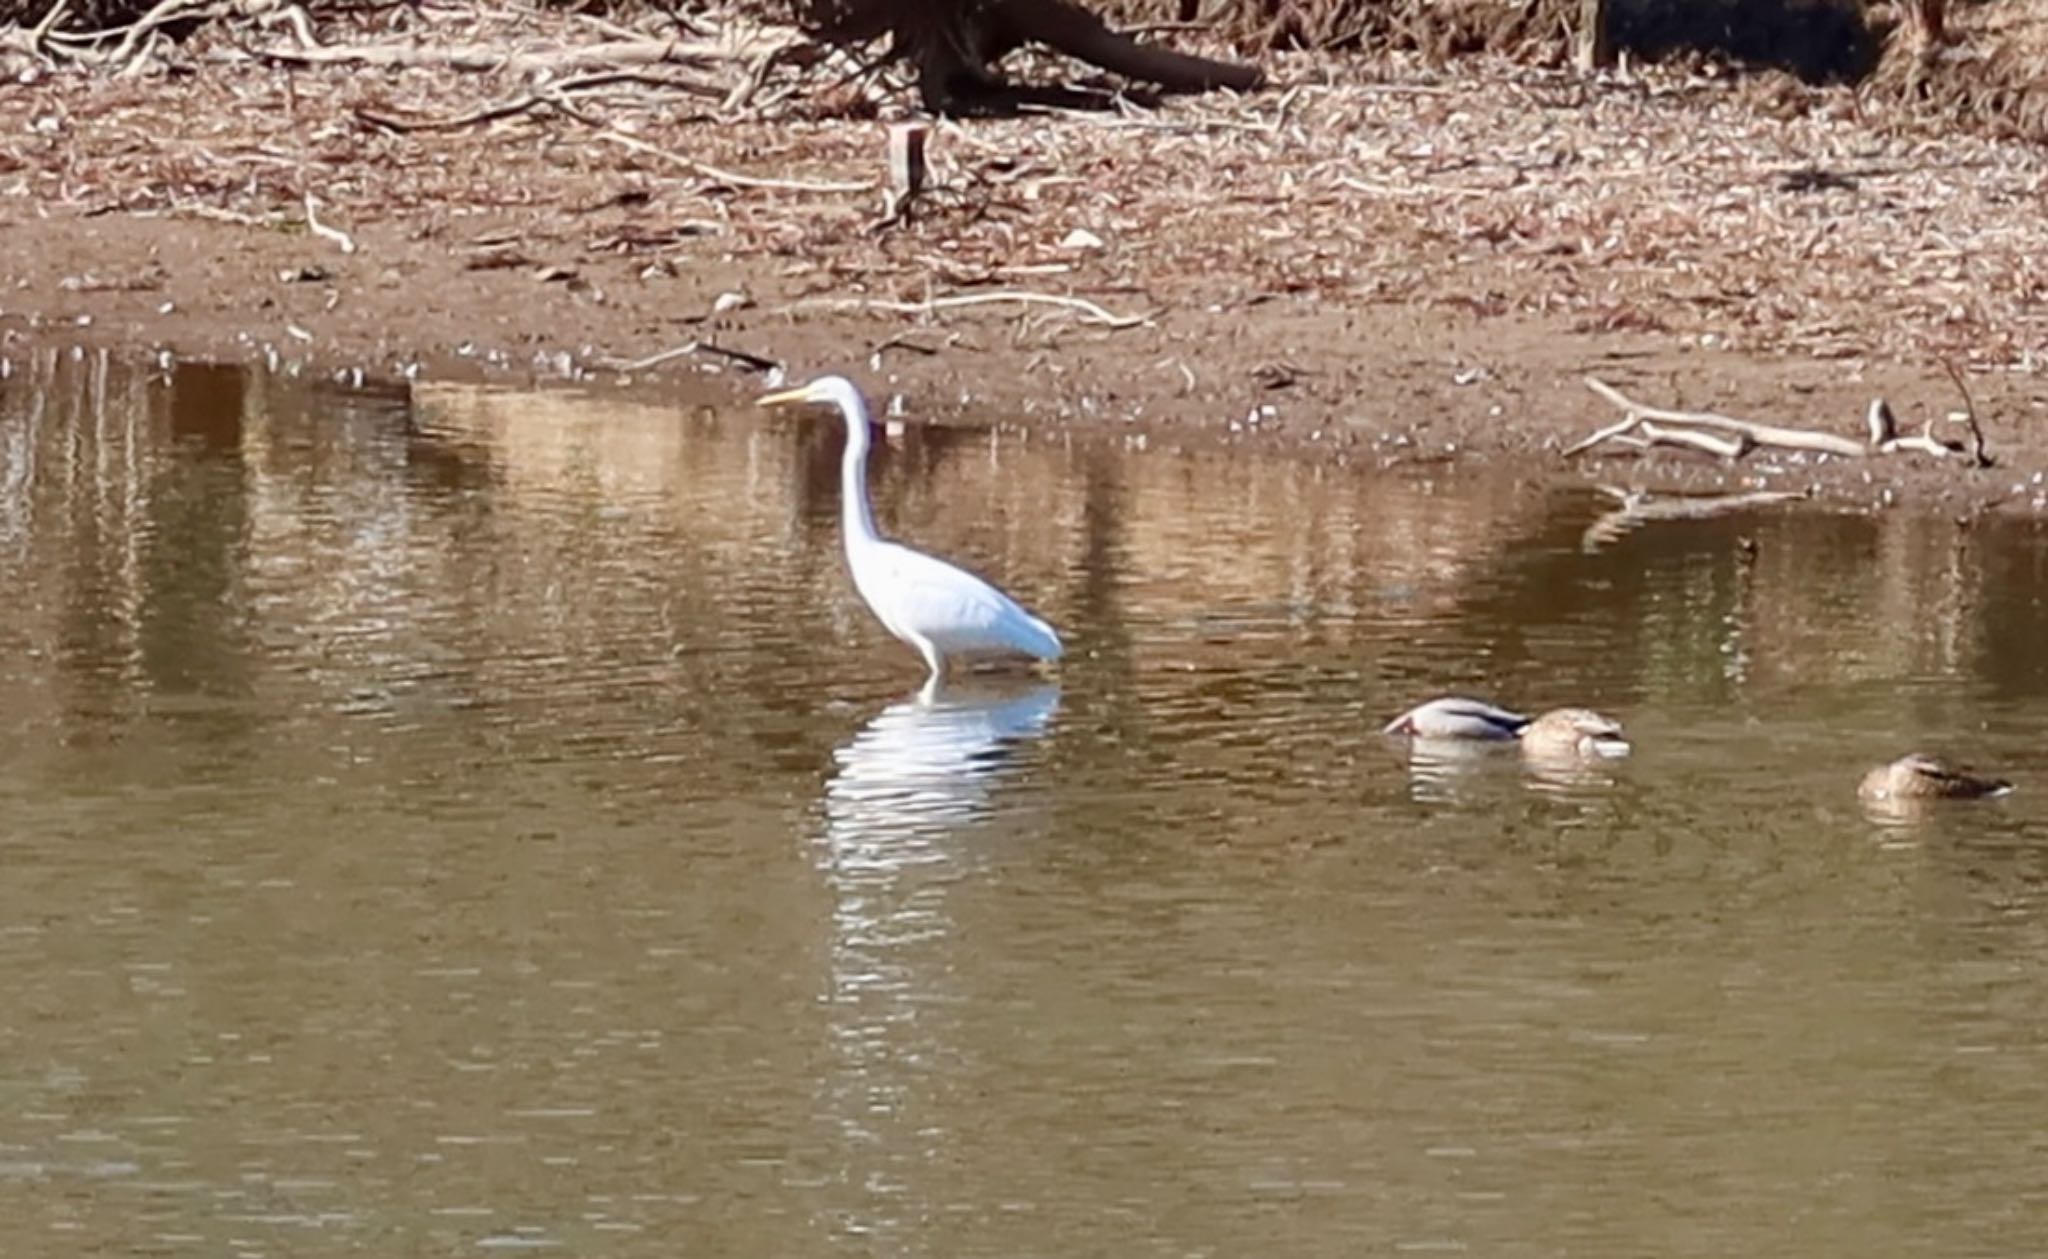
{"x": 1460, "y": 771}
{"x": 1446, "y": 771}
{"x": 1567, "y": 776}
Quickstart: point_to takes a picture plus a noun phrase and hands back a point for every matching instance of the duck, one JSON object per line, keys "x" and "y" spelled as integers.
{"x": 1560, "y": 732}
{"x": 1574, "y": 732}
{"x": 1918, "y": 776}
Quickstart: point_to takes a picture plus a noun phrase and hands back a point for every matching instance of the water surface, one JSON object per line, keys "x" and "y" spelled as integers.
{"x": 453, "y": 821}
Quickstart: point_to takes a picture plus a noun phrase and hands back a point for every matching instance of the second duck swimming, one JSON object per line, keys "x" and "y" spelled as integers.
{"x": 1558, "y": 732}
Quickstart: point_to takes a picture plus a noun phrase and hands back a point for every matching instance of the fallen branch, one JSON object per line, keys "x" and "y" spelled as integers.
{"x": 1625, "y": 426}
{"x": 1759, "y": 434}
{"x": 549, "y": 95}
{"x": 1731, "y": 438}
{"x": 491, "y": 57}
{"x": 1734, "y": 446}
{"x": 1080, "y": 304}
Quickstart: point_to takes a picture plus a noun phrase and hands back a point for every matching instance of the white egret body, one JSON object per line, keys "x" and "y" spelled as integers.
{"x": 942, "y": 610}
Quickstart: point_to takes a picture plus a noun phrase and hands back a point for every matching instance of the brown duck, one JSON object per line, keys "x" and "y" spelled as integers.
{"x": 1921, "y": 777}
{"x": 1561, "y": 732}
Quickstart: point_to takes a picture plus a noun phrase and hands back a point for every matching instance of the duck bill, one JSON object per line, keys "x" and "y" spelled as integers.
{"x": 1607, "y": 747}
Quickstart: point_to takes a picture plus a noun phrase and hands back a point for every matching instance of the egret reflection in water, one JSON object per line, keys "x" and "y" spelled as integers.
{"x": 912, "y": 792}
{"x": 907, "y": 784}
{"x": 924, "y": 765}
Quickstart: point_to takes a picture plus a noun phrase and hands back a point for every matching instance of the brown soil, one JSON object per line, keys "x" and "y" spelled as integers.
{"x": 1372, "y": 261}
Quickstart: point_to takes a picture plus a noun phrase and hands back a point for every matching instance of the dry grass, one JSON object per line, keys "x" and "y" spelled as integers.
{"x": 1990, "y": 76}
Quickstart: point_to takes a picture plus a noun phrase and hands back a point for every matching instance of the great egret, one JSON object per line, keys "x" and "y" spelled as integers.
{"x": 1920, "y": 777}
{"x": 1559, "y": 732}
{"x": 944, "y": 611}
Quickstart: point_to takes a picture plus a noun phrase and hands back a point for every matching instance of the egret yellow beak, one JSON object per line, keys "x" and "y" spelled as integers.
{"x": 802, "y": 393}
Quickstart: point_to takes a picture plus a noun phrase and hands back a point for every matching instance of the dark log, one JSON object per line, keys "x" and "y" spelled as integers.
{"x": 1073, "y": 30}
{"x": 955, "y": 45}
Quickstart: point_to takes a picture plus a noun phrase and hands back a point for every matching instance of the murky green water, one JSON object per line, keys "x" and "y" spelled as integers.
{"x": 489, "y": 822}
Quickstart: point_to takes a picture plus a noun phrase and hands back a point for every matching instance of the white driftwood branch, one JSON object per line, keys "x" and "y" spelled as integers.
{"x": 1733, "y": 446}
{"x": 1731, "y": 438}
{"x": 1759, "y": 434}
{"x": 341, "y": 240}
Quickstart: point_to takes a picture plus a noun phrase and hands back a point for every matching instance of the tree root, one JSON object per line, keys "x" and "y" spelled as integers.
{"x": 954, "y": 71}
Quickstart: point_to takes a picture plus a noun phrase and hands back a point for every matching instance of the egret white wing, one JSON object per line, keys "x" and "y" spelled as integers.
{"x": 922, "y": 595}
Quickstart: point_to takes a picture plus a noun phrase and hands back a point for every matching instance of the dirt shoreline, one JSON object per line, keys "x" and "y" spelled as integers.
{"x": 1383, "y": 271}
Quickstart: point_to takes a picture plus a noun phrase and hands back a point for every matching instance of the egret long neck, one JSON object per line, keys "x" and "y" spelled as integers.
{"x": 853, "y": 483}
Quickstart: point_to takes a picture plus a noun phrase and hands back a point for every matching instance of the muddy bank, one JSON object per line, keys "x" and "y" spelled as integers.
{"x": 1373, "y": 261}
{"x": 1371, "y": 386}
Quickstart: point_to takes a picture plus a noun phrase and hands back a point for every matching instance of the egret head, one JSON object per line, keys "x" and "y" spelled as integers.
{"x": 834, "y": 391}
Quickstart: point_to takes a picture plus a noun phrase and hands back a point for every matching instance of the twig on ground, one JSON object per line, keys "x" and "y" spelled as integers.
{"x": 199, "y": 210}
{"x": 550, "y": 95}
{"x": 1978, "y": 457}
{"x": 295, "y": 17}
{"x": 494, "y": 58}
{"x": 930, "y": 305}
{"x": 898, "y": 342}
{"x": 342, "y": 239}
{"x": 753, "y": 362}
{"x": 165, "y": 12}
{"x": 653, "y": 360}
{"x": 732, "y": 178}
{"x": 560, "y": 104}
{"x": 41, "y": 30}
{"x": 1427, "y": 191}
{"x": 489, "y": 113}
{"x": 750, "y": 83}
{"x": 31, "y": 41}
